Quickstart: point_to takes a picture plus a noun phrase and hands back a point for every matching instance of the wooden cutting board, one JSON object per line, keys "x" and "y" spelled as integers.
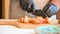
{"x": 17, "y": 24}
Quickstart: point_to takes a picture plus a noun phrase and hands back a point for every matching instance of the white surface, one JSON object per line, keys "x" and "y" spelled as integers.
{"x": 12, "y": 30}
{"x": 53, "y": 19}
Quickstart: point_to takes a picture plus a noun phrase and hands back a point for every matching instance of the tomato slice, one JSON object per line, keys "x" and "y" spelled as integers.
{"x": 21, "y": 20}
{"x": 46, "y": 19}
{"x": 36, "y": 21}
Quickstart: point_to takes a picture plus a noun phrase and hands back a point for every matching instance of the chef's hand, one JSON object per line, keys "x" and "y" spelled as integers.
{"x": 40, "y": 13}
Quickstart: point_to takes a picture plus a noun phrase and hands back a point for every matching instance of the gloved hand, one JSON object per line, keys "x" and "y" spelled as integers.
{"x": 28, "y": 5}
{"x": 50, "y": 10}
{"x": 40, "y": 13}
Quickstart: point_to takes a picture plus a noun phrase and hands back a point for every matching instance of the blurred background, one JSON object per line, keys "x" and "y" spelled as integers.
{"x": 10, "y": 9}
{"x": 0, "y": 9}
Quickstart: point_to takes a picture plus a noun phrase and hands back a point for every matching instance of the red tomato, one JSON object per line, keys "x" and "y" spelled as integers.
{"x": 26, "y": 20}
{"x": 36, "y": 21}
{"x": 41, "y": 20}
{"x": 21, "y": 20}
{"x": 46, "y": 19}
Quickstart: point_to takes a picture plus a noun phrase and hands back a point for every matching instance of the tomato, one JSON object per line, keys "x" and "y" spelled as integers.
{"x": 46, "y": 19}
{"x": 41, "y": 20}
{"x": 30, "y": 20}
{"x": 26, "y": 20}
{"x": 21, "y": 20}
{"x": 35, "y": 21}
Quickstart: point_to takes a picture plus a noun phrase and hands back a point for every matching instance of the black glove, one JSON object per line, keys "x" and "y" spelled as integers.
{"x": 50, "y": 10}
{"x": 40, "y": 13}
{"x": 26, "y": 5}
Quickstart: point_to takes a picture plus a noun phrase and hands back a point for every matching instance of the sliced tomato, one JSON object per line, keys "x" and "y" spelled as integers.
{"x": 26, "y": 19}
{"x": 21, "y": 20}
{"x": 41, "y": 20}
{"x": 46, "y": 19}
{"x": 36, "y": 21}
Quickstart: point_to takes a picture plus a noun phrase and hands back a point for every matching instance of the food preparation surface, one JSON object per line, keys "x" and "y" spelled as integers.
{"x": 19, "y": 28}
{"x": 14, "y": 22}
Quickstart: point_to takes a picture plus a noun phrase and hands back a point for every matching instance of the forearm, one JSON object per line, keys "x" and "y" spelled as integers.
{"x": 56, "y": 2}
